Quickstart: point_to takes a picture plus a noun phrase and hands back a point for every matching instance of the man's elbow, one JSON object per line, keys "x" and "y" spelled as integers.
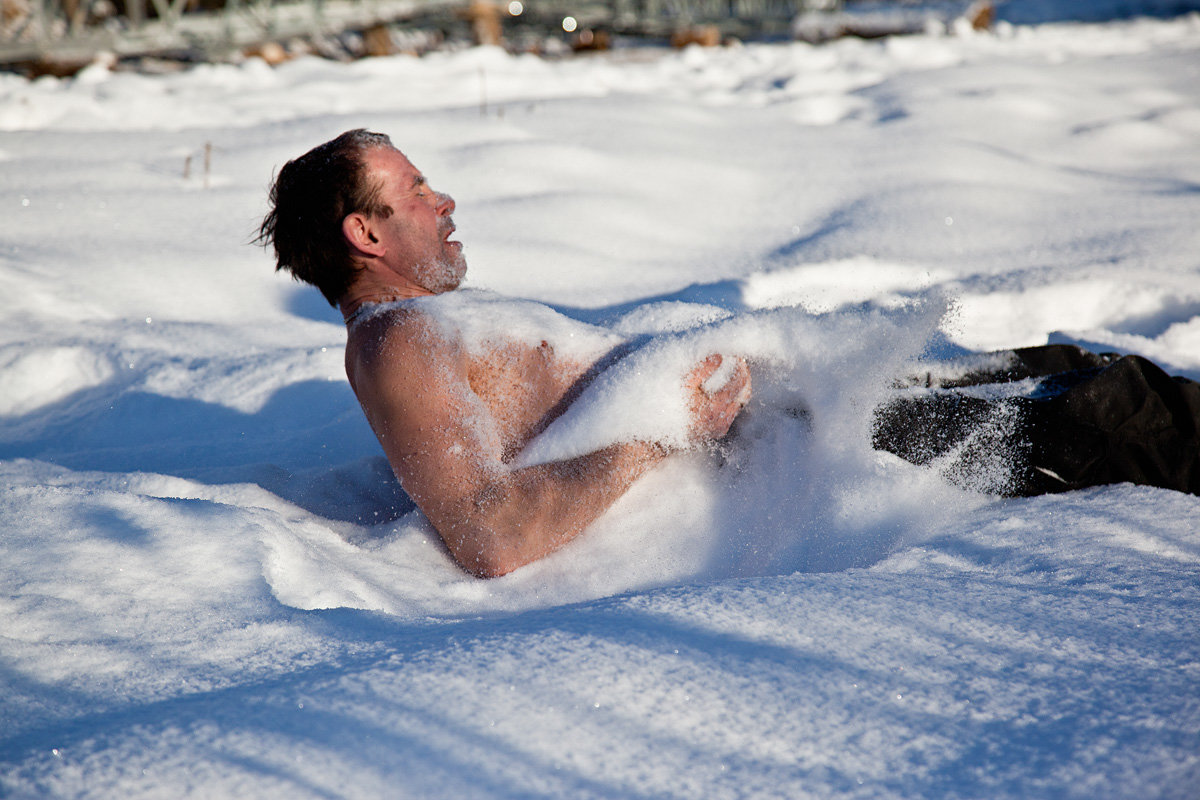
{"x": 490, "y": 565}
{"x": 485, "y": 555}
{"x": 494, "y": 538}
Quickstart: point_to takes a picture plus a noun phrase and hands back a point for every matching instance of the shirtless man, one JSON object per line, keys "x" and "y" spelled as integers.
{"x": 355, "y": 218}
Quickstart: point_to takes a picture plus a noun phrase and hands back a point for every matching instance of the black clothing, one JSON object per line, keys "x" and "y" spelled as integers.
{"x": 1091, "y": 419}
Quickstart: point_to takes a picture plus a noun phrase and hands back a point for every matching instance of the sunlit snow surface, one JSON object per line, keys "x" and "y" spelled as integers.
{"x": 213, "y": 587}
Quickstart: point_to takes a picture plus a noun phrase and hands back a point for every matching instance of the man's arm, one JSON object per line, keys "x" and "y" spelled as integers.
{"x": 444, "y": 446}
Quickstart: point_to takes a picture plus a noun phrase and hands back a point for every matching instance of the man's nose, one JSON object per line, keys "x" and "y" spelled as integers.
{"x": 445, "y": 204}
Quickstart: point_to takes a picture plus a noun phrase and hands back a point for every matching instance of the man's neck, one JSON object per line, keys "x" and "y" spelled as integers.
{"x": 364, "y": 292}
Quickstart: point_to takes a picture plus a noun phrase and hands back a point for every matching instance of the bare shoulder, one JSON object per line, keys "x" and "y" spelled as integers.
{"x": 399, "y": 345}
{"x": 390, "y": 330}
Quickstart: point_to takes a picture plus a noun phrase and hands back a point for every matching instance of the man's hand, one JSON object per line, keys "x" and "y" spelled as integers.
{"x": 714, "y": 407}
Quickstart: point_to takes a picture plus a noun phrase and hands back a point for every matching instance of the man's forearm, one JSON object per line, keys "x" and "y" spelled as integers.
{"x": 527, "y": 513}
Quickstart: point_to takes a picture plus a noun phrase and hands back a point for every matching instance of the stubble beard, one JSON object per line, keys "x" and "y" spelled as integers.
{"x": 444, "y": 273}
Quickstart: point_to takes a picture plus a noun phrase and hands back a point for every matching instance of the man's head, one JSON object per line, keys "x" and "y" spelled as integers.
{"x": 408, "y": 250}
{"x": 354, "y": 178}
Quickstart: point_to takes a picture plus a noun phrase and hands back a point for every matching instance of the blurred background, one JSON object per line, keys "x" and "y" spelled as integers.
{"x": 60, "y": 37}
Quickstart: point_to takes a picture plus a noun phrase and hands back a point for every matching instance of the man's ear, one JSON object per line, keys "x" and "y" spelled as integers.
{"x": 360, "y": 233}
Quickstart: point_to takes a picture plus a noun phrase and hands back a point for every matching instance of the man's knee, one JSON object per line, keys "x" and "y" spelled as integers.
{"x": 1132, "y": 422}
{"x": 1055, "y": 359}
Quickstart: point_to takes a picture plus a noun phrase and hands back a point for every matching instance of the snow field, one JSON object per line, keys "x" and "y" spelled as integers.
{"x": 212, "y": 587}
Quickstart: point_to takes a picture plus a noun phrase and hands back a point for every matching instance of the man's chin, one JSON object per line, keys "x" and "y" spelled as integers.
{"x": 448, "y": 275}
{"x": 458, "y": 266}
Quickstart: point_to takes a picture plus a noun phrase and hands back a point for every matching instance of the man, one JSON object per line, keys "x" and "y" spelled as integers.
{"x": 355, "y": 218}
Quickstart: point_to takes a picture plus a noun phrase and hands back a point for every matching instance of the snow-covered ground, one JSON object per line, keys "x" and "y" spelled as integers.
{"x": 211, "y": 586}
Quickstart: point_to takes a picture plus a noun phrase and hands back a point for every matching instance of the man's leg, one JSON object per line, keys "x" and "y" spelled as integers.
{"x": 1007, "y": 366}
{"x": 1093, "y": 419}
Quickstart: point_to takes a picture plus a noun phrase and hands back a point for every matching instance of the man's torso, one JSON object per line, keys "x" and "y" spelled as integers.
{"x": 522, "y": 386}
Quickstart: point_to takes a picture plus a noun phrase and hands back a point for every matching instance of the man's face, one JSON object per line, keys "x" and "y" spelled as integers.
{"x": 417, "y": 234}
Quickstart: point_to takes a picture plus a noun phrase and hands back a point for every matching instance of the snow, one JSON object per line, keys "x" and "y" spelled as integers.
{"x": 211, "y": 585}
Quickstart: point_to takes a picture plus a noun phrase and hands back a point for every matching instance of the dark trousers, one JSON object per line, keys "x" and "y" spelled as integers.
{"x": 1090, "y": 419}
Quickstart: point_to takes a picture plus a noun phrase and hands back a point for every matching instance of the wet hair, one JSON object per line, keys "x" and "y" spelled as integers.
{"x": 310, "y": 198}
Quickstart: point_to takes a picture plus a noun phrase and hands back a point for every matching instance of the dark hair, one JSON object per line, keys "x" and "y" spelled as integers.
{"x": 309, "y": 199}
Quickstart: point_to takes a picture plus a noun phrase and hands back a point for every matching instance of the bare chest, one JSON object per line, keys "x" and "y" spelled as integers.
{"x": 523, "y": 386}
